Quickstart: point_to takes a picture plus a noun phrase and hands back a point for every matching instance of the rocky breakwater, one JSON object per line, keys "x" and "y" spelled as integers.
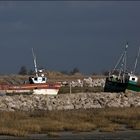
{"x": 68, "y": 101}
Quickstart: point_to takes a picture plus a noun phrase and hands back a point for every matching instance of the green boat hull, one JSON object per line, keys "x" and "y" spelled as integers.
{"x": 133, "y": 87}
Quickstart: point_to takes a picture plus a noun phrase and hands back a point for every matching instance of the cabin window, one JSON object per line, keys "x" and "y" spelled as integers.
{"x": 133, "y": 79}
{"x": 35, "y": 79}
{"x": 43, "y": 79}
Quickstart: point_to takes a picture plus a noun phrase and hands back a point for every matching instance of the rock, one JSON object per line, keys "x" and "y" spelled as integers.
{"x": 77, "y": 106}
{"x": 68, "y": 107}
{"x": 68, "y": 101}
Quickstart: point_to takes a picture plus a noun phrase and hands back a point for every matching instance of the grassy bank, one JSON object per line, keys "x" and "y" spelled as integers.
{"x": 109, "y": 119}
{"x": 66, "y": 89}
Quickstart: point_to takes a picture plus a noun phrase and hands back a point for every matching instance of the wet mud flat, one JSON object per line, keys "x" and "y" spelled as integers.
{"x": 95, "y": 135}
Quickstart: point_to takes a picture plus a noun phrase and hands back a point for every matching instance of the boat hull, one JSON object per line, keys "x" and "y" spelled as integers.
{"x": 114, "y": 86}
{"x": 133, "y": 87}
{"x": 48, "y": 89}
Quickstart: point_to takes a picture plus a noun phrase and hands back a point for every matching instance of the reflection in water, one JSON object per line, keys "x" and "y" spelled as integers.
{"x": 95, "y": 135}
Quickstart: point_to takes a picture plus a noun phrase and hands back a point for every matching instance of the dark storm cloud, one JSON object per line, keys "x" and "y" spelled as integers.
{"x": 87, "y": 35}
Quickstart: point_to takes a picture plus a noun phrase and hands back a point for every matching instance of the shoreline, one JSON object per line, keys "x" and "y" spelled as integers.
{"x": 96, "y": 135}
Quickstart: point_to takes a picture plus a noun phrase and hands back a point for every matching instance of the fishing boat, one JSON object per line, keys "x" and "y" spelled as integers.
{"x": 134, "y": 83}
{"x": 35, "y": 85}
{"x": 134, "y": 80}
{"x": 117, "y": 80}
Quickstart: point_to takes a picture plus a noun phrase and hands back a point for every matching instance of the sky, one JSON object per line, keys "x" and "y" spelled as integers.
{"x": 65, "y": 34}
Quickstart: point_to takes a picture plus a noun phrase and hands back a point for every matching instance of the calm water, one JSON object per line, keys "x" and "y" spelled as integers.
{"x": 121, "y": 135}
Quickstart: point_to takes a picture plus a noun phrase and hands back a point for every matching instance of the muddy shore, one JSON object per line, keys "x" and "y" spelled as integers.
{"x": 95, "y": 135}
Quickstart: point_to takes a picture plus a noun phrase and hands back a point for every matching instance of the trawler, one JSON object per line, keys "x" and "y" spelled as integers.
{"x": 36, "y": 85}
{"x": 134, "y": 80}
{"x": 117, "y": 80}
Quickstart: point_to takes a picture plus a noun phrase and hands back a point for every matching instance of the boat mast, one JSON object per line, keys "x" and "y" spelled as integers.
{"x": 136, "y": 61}
{"x": 35, "y": 65}
{"x": 122, "y": 60}
{"x": 118, "y": 62}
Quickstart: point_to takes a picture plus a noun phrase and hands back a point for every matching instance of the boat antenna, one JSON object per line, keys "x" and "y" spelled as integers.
{"x": 35, "y": 65}
{"x": 136, "y": 60}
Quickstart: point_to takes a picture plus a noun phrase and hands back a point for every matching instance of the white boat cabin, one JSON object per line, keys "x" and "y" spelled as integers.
{"x": 37, "y": 80}
{"x": 133, "y": 78}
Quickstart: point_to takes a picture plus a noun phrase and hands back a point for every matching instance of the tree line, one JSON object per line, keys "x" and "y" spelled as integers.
{"x": 24, "y": 71}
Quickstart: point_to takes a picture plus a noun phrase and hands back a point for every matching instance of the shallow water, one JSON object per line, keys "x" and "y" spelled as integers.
{"x": 119, "y": 135}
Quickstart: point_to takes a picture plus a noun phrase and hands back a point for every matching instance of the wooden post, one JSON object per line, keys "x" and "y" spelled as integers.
{"x": 70, "y": 87}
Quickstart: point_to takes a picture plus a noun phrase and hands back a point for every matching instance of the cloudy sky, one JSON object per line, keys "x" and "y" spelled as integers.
{"x": 88, "y": 35}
